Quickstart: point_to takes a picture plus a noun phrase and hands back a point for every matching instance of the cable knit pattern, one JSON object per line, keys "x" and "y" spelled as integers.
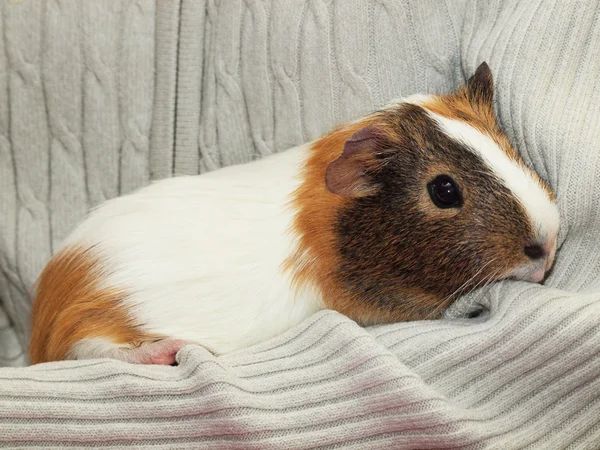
{"x": 282, "y": 73}
{"x": 189, "y": 82}
{"x": 238, "y": 79}
{"x": 163, "y": 122}
{"x": 77, "y": 96}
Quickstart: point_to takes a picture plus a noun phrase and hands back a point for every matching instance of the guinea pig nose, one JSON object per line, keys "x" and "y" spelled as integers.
{"x": 535, "y": 251}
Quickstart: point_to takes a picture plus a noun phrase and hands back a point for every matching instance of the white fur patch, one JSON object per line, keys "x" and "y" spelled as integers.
{"x": 417, "y": 99}
{"x": 414, "y": 99}
{"x": 90, "y": 348}
{"x": 525, "y": 186}
{"x": 202, "y": 255}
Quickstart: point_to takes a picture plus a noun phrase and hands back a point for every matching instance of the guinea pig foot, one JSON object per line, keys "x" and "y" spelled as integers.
{"x": 161, "y": 352}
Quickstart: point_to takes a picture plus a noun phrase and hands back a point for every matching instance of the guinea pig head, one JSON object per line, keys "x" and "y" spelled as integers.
{"x": 436, "y": 202}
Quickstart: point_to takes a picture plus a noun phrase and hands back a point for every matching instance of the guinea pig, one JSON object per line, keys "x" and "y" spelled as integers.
{"x": 388, "y": 218}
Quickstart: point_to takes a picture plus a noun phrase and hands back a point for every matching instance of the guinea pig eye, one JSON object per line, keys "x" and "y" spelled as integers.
{"x": 444, "y": 192}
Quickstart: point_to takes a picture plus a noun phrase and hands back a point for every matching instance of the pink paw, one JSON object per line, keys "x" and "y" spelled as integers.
{"x": 161, "y": 352}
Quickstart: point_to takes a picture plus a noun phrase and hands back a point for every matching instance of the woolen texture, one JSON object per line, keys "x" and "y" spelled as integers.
{"x": 100, "y": 97}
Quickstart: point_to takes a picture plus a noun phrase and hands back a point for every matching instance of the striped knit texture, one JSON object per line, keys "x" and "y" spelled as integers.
{"x": 237, "y": 79}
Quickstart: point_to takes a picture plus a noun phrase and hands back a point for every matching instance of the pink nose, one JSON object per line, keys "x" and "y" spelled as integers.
{"x": 538, "y": 275}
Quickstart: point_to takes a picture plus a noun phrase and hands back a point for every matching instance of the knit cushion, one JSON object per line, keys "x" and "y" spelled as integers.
{"x": 236, "y": 80}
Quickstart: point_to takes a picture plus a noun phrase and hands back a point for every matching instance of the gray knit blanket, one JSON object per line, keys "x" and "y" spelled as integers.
{"x": 99, "y": 97}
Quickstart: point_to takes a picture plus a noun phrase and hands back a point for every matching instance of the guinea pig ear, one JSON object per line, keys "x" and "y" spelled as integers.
{"x": 480, "y": 86}
{"x": 351, "y": 174}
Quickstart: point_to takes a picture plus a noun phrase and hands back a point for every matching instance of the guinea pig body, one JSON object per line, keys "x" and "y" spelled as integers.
{"x": 197, "y": 257}
{"x": 388, "y": 218}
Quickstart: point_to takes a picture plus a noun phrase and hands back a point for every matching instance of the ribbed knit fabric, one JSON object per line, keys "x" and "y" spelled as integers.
{"x": 258, "y": 77}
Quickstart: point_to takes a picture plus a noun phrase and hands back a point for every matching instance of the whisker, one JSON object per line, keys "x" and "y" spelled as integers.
{"x": 489, "y": 284}
{"x": 486, "y": 281}
{"x": 448, "y": 299}
{"x": 465, "y": 284}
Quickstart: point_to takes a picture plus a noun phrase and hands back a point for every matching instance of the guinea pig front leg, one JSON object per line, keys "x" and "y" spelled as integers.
{"x": 159, "y": 352}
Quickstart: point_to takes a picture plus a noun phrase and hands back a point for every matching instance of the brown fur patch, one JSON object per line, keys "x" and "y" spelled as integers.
{"x": 70, "y": 305}
{"x": 317, "y": 261}
{"x": 317, "y": 209}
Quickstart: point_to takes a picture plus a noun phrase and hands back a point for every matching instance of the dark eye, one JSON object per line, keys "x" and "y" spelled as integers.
{"x": 444, "y": 192}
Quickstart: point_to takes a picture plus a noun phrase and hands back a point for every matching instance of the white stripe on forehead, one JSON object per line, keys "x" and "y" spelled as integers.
{"x": 525, "y": 186}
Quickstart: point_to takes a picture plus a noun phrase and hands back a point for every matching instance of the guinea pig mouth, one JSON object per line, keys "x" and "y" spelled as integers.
{"x": 537, "y": 276}
{"x": 530, "y": 272}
